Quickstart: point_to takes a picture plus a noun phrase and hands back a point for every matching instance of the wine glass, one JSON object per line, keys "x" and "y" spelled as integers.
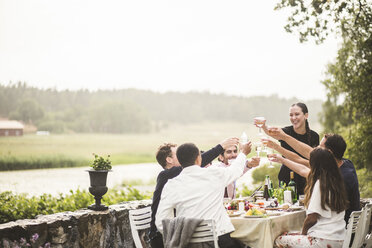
{"x": 258, "y": 148}
{"x": 265, "y": 141}
{"x": 269, "y": 152}
{"x": 259, "y": 121}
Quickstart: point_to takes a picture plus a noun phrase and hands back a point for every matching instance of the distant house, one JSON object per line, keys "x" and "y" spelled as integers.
{"x": 11, "y": 128}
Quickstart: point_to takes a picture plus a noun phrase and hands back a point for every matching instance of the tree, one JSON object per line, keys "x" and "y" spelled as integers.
{"x": 28, "y": 111}
{"x": 348, "y": 109}
{"x": 124, "y": 117}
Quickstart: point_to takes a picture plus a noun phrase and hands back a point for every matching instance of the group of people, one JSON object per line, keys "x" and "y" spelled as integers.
{"x": 190, "y": 187}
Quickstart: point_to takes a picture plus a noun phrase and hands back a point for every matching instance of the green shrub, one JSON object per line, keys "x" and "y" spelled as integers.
{"x": 8, "y": 163}
{"x": 365, "y": 183}
{"x": 245, "y": 191}
{"x": 99, "y": 163}
{"x": 21, "y": 206}
{"x": 260, "y": 172}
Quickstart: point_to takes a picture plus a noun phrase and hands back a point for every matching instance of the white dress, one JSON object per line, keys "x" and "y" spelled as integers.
{"x": 329, "y": 231}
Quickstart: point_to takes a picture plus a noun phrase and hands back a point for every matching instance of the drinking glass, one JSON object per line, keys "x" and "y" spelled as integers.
{"x": 269, "y": 152}
{"x": 259, "y": 121}
{"x": 265, "y": 141}
{"x": 258, "y": 148}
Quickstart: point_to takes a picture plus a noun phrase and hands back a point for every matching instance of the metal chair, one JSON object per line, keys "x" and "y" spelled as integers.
{"x": 205, "y": 232}
{"x": 353, "y": 227}
{"x": 139, "y": 219}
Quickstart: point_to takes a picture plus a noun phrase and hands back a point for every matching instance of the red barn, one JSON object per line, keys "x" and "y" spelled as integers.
{"x": 11, "y": 128}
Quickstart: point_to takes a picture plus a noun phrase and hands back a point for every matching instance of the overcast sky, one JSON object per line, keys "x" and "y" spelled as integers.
{"x": 232, "y": 47}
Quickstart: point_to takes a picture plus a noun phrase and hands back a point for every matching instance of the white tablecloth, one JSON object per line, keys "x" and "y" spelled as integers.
{"x": 261, "y": 232}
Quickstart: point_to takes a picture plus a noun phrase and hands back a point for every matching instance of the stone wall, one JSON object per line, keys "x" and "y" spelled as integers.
{"x": 82, "y": 228}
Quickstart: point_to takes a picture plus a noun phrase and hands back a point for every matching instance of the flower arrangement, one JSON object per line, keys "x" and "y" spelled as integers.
{"x": 100, "y": 163}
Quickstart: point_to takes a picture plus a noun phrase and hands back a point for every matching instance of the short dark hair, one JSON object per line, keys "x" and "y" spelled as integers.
{"x": 163, "y": 152}
{"x": 187, "y": 154}
{"x": 336, "y": 144}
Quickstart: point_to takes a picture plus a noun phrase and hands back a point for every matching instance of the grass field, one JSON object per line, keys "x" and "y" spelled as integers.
{"x": 68, "y": 150}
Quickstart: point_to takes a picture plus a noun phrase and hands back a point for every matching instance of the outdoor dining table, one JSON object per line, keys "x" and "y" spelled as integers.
{"x": 261, "y": 232}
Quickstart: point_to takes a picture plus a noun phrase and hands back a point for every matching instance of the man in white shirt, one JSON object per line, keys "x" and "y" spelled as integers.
{"x": 198, "y": 192}
{"x": 226, "y": 158}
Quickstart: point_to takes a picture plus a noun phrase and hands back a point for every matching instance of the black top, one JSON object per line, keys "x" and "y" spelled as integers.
{"x": 284, "y": 173}
{"x": 348, "y": 172}
{"x": 165, "y": 175}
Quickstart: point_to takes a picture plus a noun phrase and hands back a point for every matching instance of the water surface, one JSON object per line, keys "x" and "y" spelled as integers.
{"x": 62, "y": 180}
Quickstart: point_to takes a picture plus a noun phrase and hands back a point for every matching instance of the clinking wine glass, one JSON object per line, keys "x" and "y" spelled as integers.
{"x": 258, "y": 148}
{"x": 269, "y": 152}
{"x": 265, "y": 141}
{"x": 259, "y": 121}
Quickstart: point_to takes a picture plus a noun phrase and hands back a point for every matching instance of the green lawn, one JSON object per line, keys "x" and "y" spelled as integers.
{"x": 67, "y": 150}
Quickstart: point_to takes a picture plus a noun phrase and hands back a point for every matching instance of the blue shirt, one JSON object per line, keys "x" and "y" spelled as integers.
{"x": 352, "y": 187}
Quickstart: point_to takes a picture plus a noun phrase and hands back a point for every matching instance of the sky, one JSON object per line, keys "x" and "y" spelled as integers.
{"x": 231, "y": 47}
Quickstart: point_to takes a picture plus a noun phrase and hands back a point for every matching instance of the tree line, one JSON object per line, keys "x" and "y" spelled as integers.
{"x": 348, "y": 107}
{"x": 134, "y": 111}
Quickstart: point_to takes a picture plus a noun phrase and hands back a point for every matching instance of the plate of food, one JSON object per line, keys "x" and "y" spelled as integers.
{"x": 254, "y": 213}
{"x": 232, "y": 213}
{"x": 254, "y": 216}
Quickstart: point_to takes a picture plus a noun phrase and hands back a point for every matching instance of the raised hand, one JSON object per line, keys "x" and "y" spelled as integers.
{"x": 246, "y": 148}
{"x": 253, "y": 162}
{"x": 229, "y": 142}
{"x": 269, "y": 143}
{"x": 276, "y": 132}
{"x": 275, "y": 158}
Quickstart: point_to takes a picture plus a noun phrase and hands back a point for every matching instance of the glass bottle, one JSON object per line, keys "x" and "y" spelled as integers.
{"x": 266, "y": 192}
{"x": 269, "y": 185}
{"x": 271, "y": 191}
{"x": 293, "y": 187}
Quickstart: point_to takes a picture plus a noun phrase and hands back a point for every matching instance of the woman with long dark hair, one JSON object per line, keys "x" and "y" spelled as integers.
{"x": 325, "y": 201}
{"x": 300, "y": 130}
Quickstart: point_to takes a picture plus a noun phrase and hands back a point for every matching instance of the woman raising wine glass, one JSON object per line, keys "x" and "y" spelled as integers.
{"x": 300, "y": 130}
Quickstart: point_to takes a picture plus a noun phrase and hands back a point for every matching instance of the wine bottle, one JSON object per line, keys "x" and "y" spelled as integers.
{"x": 269, "y": 185}
{"x": 271, "y": 191}
{"x": 293, "y": 187}
{"x": 266, "y": 192}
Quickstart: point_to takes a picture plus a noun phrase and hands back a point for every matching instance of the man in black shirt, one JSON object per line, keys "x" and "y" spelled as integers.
{"x": 337, "y": 145}
{"x": 166, "y": 157}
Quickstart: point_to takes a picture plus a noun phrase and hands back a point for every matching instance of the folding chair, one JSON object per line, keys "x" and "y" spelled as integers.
{"x": 353, "y": 227}
{"x": 366, "y": 236}
{"x": 139, "y": 219}
{"x": 205, "y": 232}
{"x": 368, "y": 241}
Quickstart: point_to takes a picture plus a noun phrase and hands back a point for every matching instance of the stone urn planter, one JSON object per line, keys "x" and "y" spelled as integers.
{"x": 98, "y": 180}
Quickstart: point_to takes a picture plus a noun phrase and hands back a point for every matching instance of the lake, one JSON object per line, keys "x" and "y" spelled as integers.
{"x": 62, "y": 180}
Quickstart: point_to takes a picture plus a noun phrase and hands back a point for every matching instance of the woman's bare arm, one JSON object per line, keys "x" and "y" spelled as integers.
{"x": 311, "y": 220}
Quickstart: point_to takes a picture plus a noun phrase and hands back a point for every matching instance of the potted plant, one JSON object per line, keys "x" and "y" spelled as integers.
{"x": 98, "y": 179}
